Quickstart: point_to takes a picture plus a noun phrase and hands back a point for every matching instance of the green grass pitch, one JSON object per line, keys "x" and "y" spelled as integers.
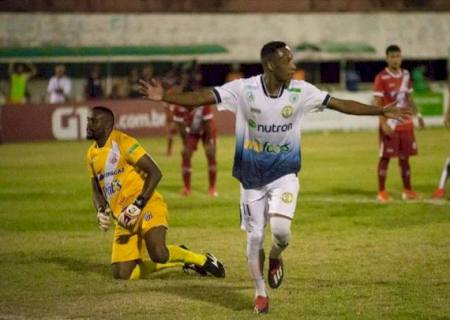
{"x": 350, "y": 257}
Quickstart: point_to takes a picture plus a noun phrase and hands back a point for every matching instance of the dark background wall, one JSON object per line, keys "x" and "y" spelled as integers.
{"x": 223, "y": 6}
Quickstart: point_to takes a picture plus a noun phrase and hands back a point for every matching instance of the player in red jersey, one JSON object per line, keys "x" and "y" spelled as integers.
{"x": 194, "y": 126}
{"x": 393, "y": 84}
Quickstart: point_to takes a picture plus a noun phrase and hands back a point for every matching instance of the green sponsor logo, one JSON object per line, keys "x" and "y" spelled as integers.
{"x": 251, "y": 123}
{"x": 133, "y": 147}
{"x": 298, "y": 90}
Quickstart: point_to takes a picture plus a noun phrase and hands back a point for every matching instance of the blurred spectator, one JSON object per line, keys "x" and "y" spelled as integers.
{"x": 235, "y": 73}
{"x": 133, "y": 84}
{"x": 115, "y": 92}
{"x": 94, "y": 88}
{"x": 59, "y": 86}
{"x": 352, "y": 78}
{"x": 18, "y": 82}
{"x": 147, "y": 73}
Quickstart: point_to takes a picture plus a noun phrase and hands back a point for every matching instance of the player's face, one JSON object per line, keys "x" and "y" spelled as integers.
{"x": 394, "y": 59}
{"x": 283, "y": 66}
{"x": 95, "y": 125}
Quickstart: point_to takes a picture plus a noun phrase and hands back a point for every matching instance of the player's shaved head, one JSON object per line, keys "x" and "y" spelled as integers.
{"x": 269, "y": 50}
{"x": 106, "y": 113}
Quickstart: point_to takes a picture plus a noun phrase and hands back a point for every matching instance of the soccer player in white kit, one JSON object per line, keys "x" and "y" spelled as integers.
{"x": 269, "y": 109}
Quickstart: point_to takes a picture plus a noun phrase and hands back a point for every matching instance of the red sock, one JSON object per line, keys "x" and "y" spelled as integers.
{"x": 382, "y": 173}
{"x": 186, "y": 171}
{"x": 212, "y": 171}
{"x": 169, "y": 145}
{"x": 406, "y": 172}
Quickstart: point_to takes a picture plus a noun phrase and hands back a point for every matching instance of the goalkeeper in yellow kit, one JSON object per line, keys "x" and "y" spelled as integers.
{"x": 124, "y": 178}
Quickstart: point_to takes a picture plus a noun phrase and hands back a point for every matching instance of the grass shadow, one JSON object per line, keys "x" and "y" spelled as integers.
{"x": 76, "y": 265}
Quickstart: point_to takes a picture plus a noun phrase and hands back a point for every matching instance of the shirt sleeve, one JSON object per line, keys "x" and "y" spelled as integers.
{"x": 314, "y": 99}
{"x": 89, "y": 164}
{"x": 378, "y": 90}
{"x": 131, "y": 149}
{"x": 227, "y": 96}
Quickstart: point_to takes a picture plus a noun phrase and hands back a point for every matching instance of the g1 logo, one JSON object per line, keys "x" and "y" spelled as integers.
{"x": 69, "y": 123}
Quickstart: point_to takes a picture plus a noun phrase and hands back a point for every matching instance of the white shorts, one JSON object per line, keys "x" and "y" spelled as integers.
{"x": 278, "y": 197}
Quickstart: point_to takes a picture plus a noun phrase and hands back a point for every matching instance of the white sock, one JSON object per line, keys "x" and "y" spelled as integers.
{"x": 445, "y": 174}
{"x": 260, "y": 287}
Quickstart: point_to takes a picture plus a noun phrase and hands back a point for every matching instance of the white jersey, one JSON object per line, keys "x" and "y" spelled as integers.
{"x": 56, "y": 83}
{"x": 267, "y": 127}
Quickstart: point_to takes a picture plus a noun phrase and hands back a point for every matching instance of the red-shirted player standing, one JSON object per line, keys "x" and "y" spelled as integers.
{"x": 194, "y": 126}
{"x": 394, "y": 84}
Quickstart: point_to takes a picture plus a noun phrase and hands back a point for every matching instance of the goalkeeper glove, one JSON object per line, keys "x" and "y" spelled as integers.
{"x": 103, "y": 218}
{"x": 129, "y": 216}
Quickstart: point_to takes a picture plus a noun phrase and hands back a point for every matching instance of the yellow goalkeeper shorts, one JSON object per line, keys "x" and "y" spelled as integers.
{"x": 129, "y": 246}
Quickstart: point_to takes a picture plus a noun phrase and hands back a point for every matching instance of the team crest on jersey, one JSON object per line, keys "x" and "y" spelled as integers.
{"x": 287, "y": 111}
{"x": 147, "y": 216}
{"x": 293, "y": 98}
{"x": 287, "y": 197}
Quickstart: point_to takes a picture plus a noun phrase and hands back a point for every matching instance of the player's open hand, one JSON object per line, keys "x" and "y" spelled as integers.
{"x": 152, "y": 90}
{"x": 392, "y": 112}
{"x": 103, "y": 218}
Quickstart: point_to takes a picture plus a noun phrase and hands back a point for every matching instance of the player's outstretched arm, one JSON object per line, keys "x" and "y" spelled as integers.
{"x": 154, "y": 91}
{"x": 361, "y": 109}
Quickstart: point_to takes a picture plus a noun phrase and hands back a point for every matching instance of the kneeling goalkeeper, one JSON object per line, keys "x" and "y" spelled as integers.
{"x": 124, "y": 178}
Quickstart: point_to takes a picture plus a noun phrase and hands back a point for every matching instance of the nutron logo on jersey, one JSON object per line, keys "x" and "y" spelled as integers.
{"x": 268, "y": 128}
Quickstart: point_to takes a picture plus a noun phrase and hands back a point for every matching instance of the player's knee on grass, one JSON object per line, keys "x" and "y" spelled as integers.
{"x": 123, "y": 270}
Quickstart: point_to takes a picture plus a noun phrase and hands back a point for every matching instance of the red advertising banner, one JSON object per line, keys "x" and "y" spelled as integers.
{"x": 68, "y": 121}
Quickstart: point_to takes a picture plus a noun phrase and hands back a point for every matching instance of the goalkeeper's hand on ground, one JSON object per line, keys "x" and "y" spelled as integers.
{"x": 130, "y": 215}
{"x": 104, "y": 218}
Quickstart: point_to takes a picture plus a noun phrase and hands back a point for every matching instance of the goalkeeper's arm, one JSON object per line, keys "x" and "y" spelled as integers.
{"x": 100, "y": 204}
{"x": 98, "y": 199}
{"x": 152, "y": 175}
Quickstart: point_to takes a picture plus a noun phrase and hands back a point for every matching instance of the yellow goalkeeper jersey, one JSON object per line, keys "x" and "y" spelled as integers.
{"x": 113, "y": 165}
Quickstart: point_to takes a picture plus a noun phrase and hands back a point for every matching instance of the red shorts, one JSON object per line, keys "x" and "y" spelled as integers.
{"x": 191, "y": 140}
{"x": 400, "y": 144}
